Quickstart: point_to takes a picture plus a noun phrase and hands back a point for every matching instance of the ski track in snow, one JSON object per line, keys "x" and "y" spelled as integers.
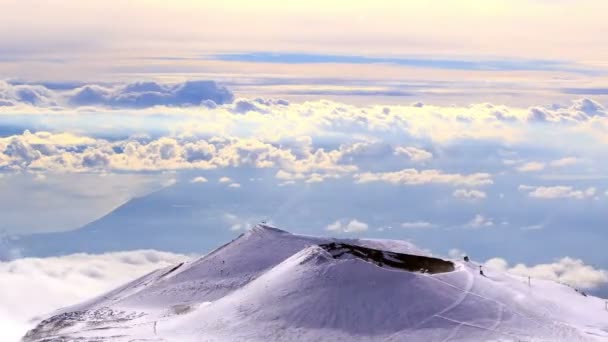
{"x": 465, "y": 293}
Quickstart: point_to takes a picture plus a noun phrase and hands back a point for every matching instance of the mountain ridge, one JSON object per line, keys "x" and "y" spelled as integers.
{"x": 271, "y": 285}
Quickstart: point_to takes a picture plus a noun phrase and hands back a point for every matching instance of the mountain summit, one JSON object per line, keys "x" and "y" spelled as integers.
{"x": 270, "y": 285}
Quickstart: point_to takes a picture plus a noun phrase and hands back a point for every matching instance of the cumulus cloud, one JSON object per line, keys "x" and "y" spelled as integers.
{"x": 573, "y": 272}
{"x": 531, "y": 167}
{"x": 413, "y": 153}
{"x": 259, "y": 105}
{"x": 133, "y": 95}
{"x": 469, "y": 194}
{"x": 588, "y": 107}
{"x": 559, "y": 191}
{"x": 33, "y": 287}
{"x": 479, "y": 221}
{"x": 416, "y": 177}
{"x": 43, "y": 151}
{"x": 268, "y": 119}
{"x": 203, "y": 99}
{"x": 199, "y": 179}
{"x": 35, "y": 95}
{"x": 535, "y": 166}
{"x": 581, "y": 110}
{"x": 352, "y": 226}
{"x": 308, "y": 142}
{"x": 150, "y": 94}
{"x": 365, "y": 150}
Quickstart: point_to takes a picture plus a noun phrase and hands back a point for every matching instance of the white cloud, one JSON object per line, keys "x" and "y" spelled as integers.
{"x": 150, "y": 94}
{"x": 224, "y": 180}
{"x": 234, "y": 185}
{"x": 44, "y": 151}
{"x": 12, "y": 329}
{"x": 567, "y": 161}
{"x": 536, "y": 166}
{"x": 417, "y": 224}
{"x": 365, "y": 149}
{"x": 290, "y": 137}
{"x": 479, "y": 221}
{"x": 199, "y": 179}
{"x": 531, "y": 167}
{"x": 438, "y": 124}
{"x": 413, "y": 153}
{"x": 353, "y": 226}
{"x": 469, "y": 194}
{"x": 559, "y": 191}
{"x": 334, "y": 227}
{"x": 36, "y": 286}
{"x": 573, "y": 272}
{"x": 34, "y": 95}
{"x": 133, "y": 95}
{"x": 416, "y": 177}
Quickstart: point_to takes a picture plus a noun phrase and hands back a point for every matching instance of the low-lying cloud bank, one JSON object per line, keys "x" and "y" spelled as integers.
{"x": 309, "y": 141}
{"x": 32, "y": 287}
{"x": 196, "y": 107}
{"x": 133, "y": 95}
{"x": 573, "y": 272}
{"x": 480, "y": 153}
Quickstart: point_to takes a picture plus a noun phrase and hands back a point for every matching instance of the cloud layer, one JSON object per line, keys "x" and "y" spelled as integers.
{"x": 473, "y": 155}
{"x": 133, "y": 95}
{"x": 33, "y": 287}
{"x": 345, "y": 226}
{"x": 385, "y": 169}
{"x": 573, "y": 272}
{"x": 558, "y": 191}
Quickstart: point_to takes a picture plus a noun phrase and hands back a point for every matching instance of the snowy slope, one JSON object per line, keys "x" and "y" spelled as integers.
{"x": 269, "y": 285}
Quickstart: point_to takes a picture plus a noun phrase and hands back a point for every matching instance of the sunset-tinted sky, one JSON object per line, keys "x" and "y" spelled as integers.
{"x": 520, "y": 51}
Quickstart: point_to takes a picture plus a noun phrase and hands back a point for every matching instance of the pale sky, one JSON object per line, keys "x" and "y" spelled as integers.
{"x": 536, "y": 48}
{"x": 533, "y": 29}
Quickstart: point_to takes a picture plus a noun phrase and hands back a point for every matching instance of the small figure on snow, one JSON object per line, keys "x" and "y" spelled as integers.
{"x": 481, "y": 271}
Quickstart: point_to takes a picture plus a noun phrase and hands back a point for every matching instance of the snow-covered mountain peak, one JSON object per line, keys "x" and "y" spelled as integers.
{"x": 270, "y": 285}
{"x": 264, "y": 228}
